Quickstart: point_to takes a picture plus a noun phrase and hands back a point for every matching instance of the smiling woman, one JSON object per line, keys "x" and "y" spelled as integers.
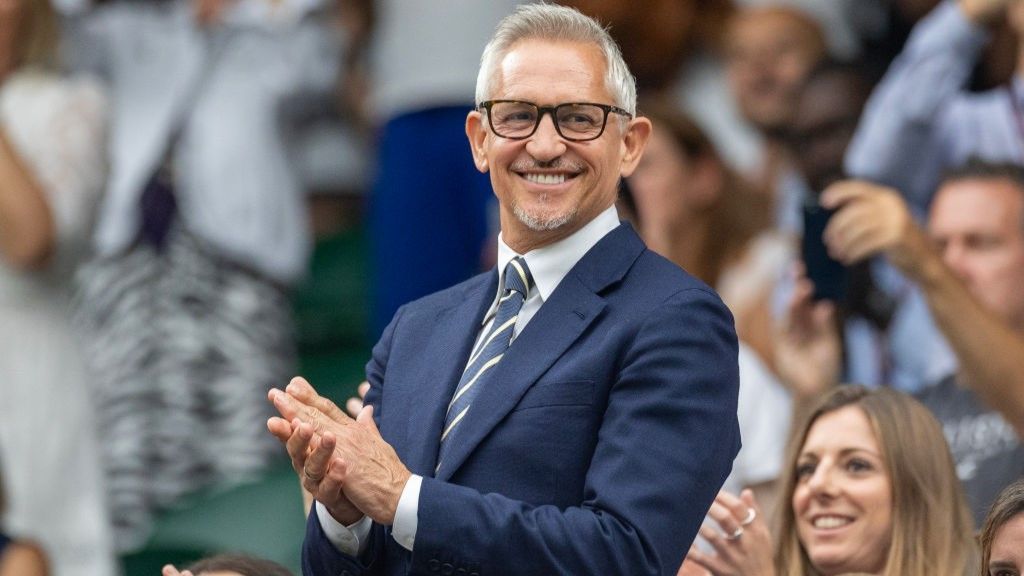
{"x": 873, "y": 490}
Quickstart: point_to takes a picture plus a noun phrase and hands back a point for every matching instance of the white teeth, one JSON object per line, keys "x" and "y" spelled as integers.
{"x": 830, "y": 522}
{"x": 546, "y": 178}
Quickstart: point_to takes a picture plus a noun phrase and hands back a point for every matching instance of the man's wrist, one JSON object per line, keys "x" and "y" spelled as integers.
{"x": 407, "y": 513}
{"x": 348, "y": 538}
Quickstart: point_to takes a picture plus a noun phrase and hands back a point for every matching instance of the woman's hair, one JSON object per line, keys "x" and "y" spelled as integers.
{"x": 740, "y": 212}
{"x": 39, "y": 34}
{"x": 240, "y": 563}
{"x": 1008, "y": 504}
{"x": 931, "y": 524}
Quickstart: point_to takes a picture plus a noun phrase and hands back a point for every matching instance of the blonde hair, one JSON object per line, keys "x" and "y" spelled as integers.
{"x": 931, "y": 524}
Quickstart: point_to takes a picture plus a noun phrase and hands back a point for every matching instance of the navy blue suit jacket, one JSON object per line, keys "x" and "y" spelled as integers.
{"x": 598, "y": 446}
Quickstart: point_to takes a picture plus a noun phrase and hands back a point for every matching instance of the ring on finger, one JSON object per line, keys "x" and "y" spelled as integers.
{"x": 751, "y": 514}
{"x": 735, "y": 534}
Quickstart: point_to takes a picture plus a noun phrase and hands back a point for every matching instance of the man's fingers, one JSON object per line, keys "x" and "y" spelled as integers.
{"x": 287, "y": 407}
{"x": 300, "y": 389}
{"x": 353, "y": 406}
{"x": 315, "y": 467}
{"x": 280, "y": 428}
{"x": 363, "y": 389}
{"x": 843, "y": 192}
{"x": 298, "y": 444}
{"x": 334, "y": 479}
{"x": 291, "y": 409}
{"x": 365, "y": 418}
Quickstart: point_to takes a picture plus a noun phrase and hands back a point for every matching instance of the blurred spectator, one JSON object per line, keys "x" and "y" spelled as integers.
{"x": 1002, "y": 538}
{"x": 695, "y": 211}
{"x": 201, "y": 235}
{"x": 52, "y": 133}
{"x": 229, "y": 565}
{"x": 888, "y": 335}
{"x": 430, "y": 206}
{"x": 769, "y": 52}
{"x": 869, "y": 488}
{"x": 921, "y": 119}
{"x": 844, "y": 23}
{"x": 972, "y": 285}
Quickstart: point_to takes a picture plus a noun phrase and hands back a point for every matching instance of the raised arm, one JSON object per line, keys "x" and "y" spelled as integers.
{"x": 902, "y": 137}
{"x": 874, "y": 219}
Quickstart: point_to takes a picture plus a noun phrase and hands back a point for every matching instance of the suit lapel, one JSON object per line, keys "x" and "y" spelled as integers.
{"x": 572, "y": 307}
{"x": 447, "y": 342}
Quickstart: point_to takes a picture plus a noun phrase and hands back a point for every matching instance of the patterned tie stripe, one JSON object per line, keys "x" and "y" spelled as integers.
{"x": 489, "y": 351}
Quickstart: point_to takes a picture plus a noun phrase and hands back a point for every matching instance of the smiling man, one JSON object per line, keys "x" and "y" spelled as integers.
{"x": 572, "y": 411}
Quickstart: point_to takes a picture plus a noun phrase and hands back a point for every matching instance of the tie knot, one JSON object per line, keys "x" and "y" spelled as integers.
{"x": 517, "y": 276}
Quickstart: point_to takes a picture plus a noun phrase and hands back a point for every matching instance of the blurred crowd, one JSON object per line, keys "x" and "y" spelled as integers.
{"x": 847, "y": 174}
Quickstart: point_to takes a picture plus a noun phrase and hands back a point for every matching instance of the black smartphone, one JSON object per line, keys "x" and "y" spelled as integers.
{"x": 830, "y": 277}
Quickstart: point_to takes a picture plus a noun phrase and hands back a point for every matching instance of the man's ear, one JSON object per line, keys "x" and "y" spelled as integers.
{"x": 633, "y": 144}
{"x": 476, "y": 132}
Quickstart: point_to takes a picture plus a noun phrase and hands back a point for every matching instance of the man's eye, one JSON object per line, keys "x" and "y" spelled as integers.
{"x": 517, "y": 117}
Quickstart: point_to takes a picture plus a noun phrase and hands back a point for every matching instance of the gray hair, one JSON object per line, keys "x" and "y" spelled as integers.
{"x": 550, "y": 22}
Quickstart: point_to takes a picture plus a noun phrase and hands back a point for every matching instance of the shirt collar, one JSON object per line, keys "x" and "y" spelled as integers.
{"x": 549, "y": 264}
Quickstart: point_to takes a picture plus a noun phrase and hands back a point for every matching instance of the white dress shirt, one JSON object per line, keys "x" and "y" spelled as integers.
{"x": 548, "y": 265}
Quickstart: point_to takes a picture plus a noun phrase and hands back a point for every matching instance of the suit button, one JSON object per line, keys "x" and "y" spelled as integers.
{"x": 447, "y": 569}
{"x": 434, "y": 565}
{"x": 461, "y": 572}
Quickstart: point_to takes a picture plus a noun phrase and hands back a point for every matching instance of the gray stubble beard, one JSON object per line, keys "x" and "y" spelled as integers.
{"x": 546, "y": 225}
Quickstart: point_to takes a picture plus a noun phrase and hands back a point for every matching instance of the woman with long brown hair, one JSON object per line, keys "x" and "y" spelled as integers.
{"x": 870, "y": 488}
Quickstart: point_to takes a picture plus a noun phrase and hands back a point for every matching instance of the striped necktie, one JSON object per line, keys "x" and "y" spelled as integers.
{"x": 488, "y": 351}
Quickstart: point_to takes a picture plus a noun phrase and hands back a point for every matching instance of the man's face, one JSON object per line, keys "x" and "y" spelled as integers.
{"x": 769, "y": 53}
{"x": 829, "y": 106}
{"x": 549, "y": 187}
{"x": 976, "y": 224}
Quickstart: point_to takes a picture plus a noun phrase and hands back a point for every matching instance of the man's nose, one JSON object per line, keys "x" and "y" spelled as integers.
{"x": 546, "y": 143}
{"x": 955, "y": 257}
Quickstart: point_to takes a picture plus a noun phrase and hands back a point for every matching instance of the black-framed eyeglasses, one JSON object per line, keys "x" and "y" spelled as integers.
{"x": 574, "y": 121}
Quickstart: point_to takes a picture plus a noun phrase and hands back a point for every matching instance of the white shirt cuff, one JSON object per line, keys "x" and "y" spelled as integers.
{"x": 407, "y": 513}
{"x": 351, "y": 540}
